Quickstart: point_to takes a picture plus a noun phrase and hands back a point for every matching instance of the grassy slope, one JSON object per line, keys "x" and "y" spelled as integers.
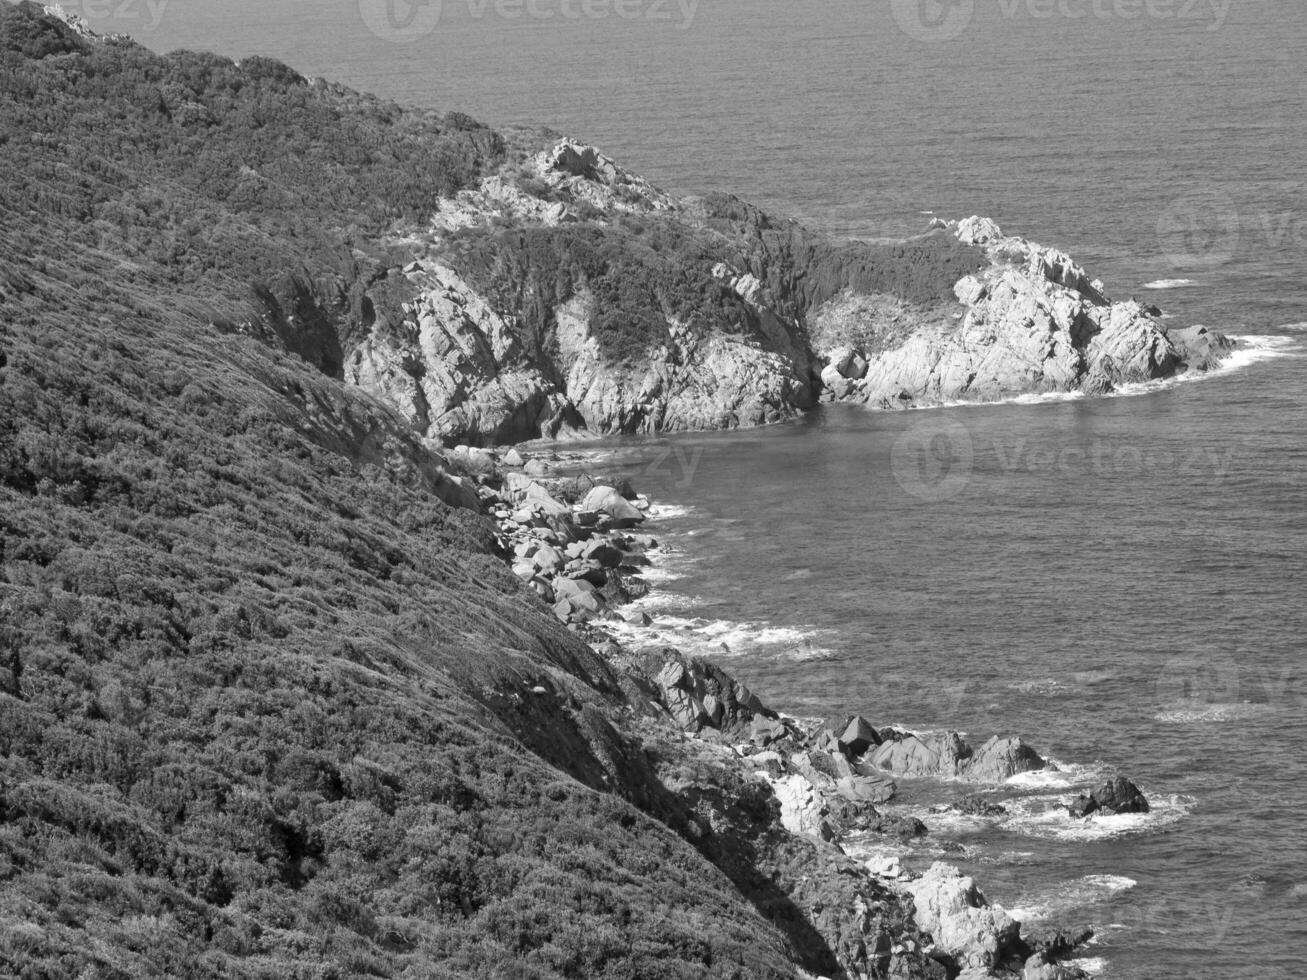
{"x": 265, "y": 701}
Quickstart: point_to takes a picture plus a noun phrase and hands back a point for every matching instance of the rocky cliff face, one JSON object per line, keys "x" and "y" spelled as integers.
{"x": 539, "y": 338}
{"x": 566, "y": 297}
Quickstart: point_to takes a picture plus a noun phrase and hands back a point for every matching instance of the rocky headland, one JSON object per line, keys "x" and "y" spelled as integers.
{"x": 566, "y": 297}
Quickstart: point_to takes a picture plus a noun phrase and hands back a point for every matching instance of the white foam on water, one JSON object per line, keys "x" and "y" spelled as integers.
{"x": 1046, "y": 686}
{"x": 1046, "y": 817}
{"x": 669, "y": 512}
{"x": 1044, "y": 779}
{"x": 660, "y": 573}
{"x": 1093, "y": 965}
{"x": 1029, "y": 398}
{"x": 1069, "y": 896}
{"x": 656, "y": 602}
{"x": 1170, "y": 283}
{"x": 1111, "y": 883}
{"x": 1201, "y": 712}
{"x": 720, "y": 637}
{"x": 1254, "y": 348}
{"x": 1294, "y": 326}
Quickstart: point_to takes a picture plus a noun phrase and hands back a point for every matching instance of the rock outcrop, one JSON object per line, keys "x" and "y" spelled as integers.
{"x": 947, "y": 755}
{"x": 1030, "y": 321}
{"x": 1117, "y": 795}
{"x": 969, "y": 932}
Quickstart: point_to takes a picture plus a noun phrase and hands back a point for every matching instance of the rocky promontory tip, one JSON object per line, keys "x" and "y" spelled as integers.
{"x": 1030, "y": 320}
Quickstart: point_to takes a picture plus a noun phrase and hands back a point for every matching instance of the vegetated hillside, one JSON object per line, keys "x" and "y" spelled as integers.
{"x": 269, "y": 707}
{"x": 242, "y": 191}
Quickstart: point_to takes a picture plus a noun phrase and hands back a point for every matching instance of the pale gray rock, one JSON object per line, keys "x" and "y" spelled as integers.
{"x": 943, "y": 754}
{"x": 608, "y": 501}
{"x": 1000, "y": 759}
{"x": 1031, "y": 322}
{"x": 964, "y": 925}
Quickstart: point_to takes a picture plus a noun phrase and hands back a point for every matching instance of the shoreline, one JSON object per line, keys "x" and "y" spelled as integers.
{"x": 824, "y": 791}
{"x": 1249, "y": 350}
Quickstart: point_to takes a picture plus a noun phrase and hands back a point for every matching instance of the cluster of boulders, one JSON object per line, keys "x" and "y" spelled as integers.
{"x": 828, "y": 778}
{"x": 574, "y": 540}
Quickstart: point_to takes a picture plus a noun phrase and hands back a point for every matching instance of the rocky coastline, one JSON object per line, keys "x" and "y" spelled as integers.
{"x": 582, "y": 542}
{"x": 270, "y": 707}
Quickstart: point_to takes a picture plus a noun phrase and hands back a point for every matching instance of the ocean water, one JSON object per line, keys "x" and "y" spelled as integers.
{"x": 1119, "y": 580}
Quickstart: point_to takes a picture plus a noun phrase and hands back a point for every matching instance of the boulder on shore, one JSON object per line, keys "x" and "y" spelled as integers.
{"x": 609, "y": 501}
{"x": 858, "y": 736}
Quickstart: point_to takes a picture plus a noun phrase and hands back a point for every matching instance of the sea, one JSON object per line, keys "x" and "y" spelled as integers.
{"x": 1122, "y": 581}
